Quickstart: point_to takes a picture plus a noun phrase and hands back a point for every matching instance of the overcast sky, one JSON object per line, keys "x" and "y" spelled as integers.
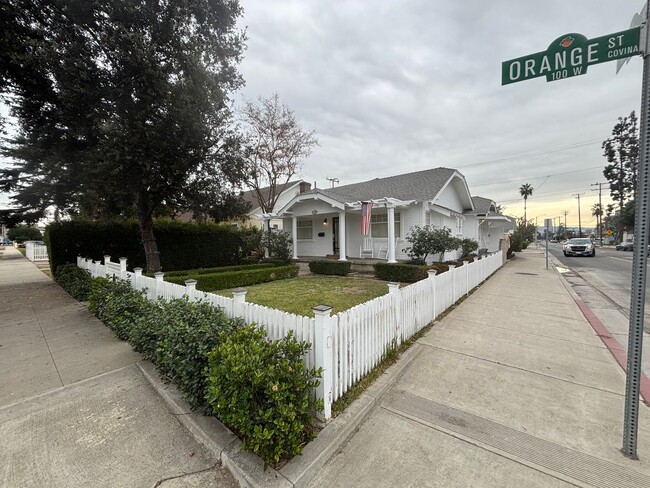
{"x": 393, "y": 87}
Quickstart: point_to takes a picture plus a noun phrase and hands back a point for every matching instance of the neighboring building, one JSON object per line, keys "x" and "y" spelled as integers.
{"x": 328, "y": 221}
{"x": 485, "y": 225}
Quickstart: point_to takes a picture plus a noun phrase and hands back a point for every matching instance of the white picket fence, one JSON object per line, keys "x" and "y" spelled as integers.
{"x": 35, "y": 252}
{"x": 347, "y": 345}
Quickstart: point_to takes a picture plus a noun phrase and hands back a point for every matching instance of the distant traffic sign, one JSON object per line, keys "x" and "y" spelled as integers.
{"x": 569, "y": 55}
{"x": 610, "y": 232}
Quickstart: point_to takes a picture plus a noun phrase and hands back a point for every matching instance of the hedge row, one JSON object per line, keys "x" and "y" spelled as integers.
{"x": 403, "y": 273}
{"x": 220, "y": 269}
{"x": 225, "y": 280}
{"x": 326, "y": 267}
{"x": 259, "y": 388}
{"x": 181, "y": 245}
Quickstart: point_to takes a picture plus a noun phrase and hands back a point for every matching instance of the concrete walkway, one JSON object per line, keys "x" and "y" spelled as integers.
{"x": 75, "y": 410}
{"x": 512, "y": 388}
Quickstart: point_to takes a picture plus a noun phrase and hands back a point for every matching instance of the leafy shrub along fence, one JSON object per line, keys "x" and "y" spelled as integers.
{"x": 347, "y": 345}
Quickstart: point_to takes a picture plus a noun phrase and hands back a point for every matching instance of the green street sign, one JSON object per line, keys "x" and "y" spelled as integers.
{"x": 569, "y": 55}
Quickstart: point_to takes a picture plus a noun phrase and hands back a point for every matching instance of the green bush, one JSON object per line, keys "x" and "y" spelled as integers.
{"x": 220, "y": 269}
{"x": 468, "y": 246}
{"x": 326, "y": 267}
{"x": 116, "y": 304}
{"x": 439, "y": 267}
{"x": 280, "y": 245}
{"x": 276, "y": 261}
{"x": 223, "y": 281}
{"x": 403, "y": 273}
{"x": 187, "y": 332}
{"x": 74, "y": 280}
{"x": 262, "y": 390}
{"x": 182, "y": 245}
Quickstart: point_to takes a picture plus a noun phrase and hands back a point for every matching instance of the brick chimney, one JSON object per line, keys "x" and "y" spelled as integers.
{"x": 304, "y": 186}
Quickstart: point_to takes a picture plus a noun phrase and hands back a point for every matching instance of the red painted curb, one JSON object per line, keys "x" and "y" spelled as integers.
{"x": 614, "y": 347}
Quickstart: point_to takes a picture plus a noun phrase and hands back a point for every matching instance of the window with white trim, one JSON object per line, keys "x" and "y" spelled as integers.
{"x": 459, "y": 225}
{"x": 305, "y": 229}
{"x": 379, "y": 225}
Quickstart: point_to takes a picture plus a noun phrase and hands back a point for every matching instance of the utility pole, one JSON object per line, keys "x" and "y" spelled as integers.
{"x": 577, "y": 195}
{"x": 599, "y": 217}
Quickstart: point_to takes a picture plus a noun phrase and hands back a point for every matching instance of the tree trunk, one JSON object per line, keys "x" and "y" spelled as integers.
{"x": 148, "y": 239}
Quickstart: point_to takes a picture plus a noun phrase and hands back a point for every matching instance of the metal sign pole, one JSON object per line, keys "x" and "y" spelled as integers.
{"x": 637, "y": 298}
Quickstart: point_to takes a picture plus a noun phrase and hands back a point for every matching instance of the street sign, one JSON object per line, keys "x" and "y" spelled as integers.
{"x": 610, "y": 232}
{"x": 570, "y": 55}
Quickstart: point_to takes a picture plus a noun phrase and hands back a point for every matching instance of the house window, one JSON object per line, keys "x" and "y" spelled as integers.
{"x": 459, "y": 225}
{"x": 305, "y": 229}
{"x": 379, "y": 225}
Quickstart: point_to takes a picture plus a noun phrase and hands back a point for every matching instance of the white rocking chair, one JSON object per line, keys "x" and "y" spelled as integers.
{"x": 383, "y": 249}
{"x": 366, "y": 250}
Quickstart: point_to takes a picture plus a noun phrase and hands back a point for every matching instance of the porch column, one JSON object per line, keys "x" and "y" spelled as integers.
{"x": 391, "y": 233}
{"x": 342, "y": 246}
{"x": 294, "y": 236}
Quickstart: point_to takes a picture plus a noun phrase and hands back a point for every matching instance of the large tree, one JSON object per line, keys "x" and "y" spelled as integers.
{"x": 122, "y": 106}
{"x": 275, "y": 147}
{"x": 622, "y": 153}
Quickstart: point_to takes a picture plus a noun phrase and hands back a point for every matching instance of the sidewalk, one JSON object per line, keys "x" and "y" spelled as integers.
{"x": 75, "y": 410}
{"x": 512, "y": 388}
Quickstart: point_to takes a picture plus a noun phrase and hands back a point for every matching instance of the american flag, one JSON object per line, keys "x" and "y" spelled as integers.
{"x": 366, "y": 212}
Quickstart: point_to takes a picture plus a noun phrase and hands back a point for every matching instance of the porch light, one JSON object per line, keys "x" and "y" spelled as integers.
{"x": 325, "y": 221}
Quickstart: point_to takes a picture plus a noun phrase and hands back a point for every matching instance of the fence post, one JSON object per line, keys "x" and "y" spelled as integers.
{"x": 239, "y": 298}
{"x": 158, "y": 285}
{"x": 190, "y": 289}
{"x": 466, "y": 266}
{"x": 431, "y": 275}
{"x": 323, "y": 356}
{"x": 453, "y": 283}
{"x": 79, "y": 261}
{"x": 137, "y": 275}
{"x": 123, "y": 268}
{"x": 393, "y": 289}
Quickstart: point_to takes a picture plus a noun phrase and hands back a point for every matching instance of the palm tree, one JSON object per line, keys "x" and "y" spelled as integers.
{"x": 526, "y": 191}
{"x": 597, "y": 211}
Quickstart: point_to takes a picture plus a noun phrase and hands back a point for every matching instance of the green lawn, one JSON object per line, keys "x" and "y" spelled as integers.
{"x": 300, "y": 294}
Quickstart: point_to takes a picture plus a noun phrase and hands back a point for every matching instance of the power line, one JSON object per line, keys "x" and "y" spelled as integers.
{"x": 531, "y": 154}
{"x": 536, "y": 177}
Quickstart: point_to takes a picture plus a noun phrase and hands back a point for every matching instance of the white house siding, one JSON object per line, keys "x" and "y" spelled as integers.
{"x": 317, "y": 245}
{"x": 449, "y": 199}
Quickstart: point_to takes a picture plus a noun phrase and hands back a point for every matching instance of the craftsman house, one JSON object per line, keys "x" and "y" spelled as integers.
{"x": 326, "y": 222}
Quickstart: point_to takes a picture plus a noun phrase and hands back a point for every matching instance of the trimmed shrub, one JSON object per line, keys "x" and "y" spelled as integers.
{"x": 220, "y": 269}
{"x": 468, "y": 246}
{"x": 276, "y": 261}
{"x": 261, "y": 389}
{"x": 119, "y": 306}
{"x": 186, "y": 333}
{"x": 325, "y": 267}
{"x": 404, "y": 273}
{"x": 223, "y": 281}
{"x": 182, "y": 245}
{"x": 439, "y": 267}
{"x": 74, "y": 280}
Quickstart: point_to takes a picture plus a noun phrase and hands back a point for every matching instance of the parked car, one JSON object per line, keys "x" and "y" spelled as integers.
{"x": 625, "y": 246}
{"x": 579, "y": 246}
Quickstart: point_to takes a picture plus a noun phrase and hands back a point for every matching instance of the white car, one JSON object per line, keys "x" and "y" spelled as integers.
{"x": 579, "y": 247}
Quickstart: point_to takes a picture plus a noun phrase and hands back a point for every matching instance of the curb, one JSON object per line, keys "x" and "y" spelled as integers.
{"x": 247, "y": 467}
{"x": 612, "y": 345}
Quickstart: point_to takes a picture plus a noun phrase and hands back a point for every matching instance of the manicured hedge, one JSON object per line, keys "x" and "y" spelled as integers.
{"x": 74, "y": 280}
{"x": 325, "y": 267}
{"x": 220, "y": 269}
{"x": 223, "y": 281}
{"x": 403, "y": 273}
{"x": 181, "y": 245}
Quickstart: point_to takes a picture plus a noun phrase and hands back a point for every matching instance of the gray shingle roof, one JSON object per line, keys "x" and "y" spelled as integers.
{"x": 419, "y": 186}
{"x": 481, "y": 206}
